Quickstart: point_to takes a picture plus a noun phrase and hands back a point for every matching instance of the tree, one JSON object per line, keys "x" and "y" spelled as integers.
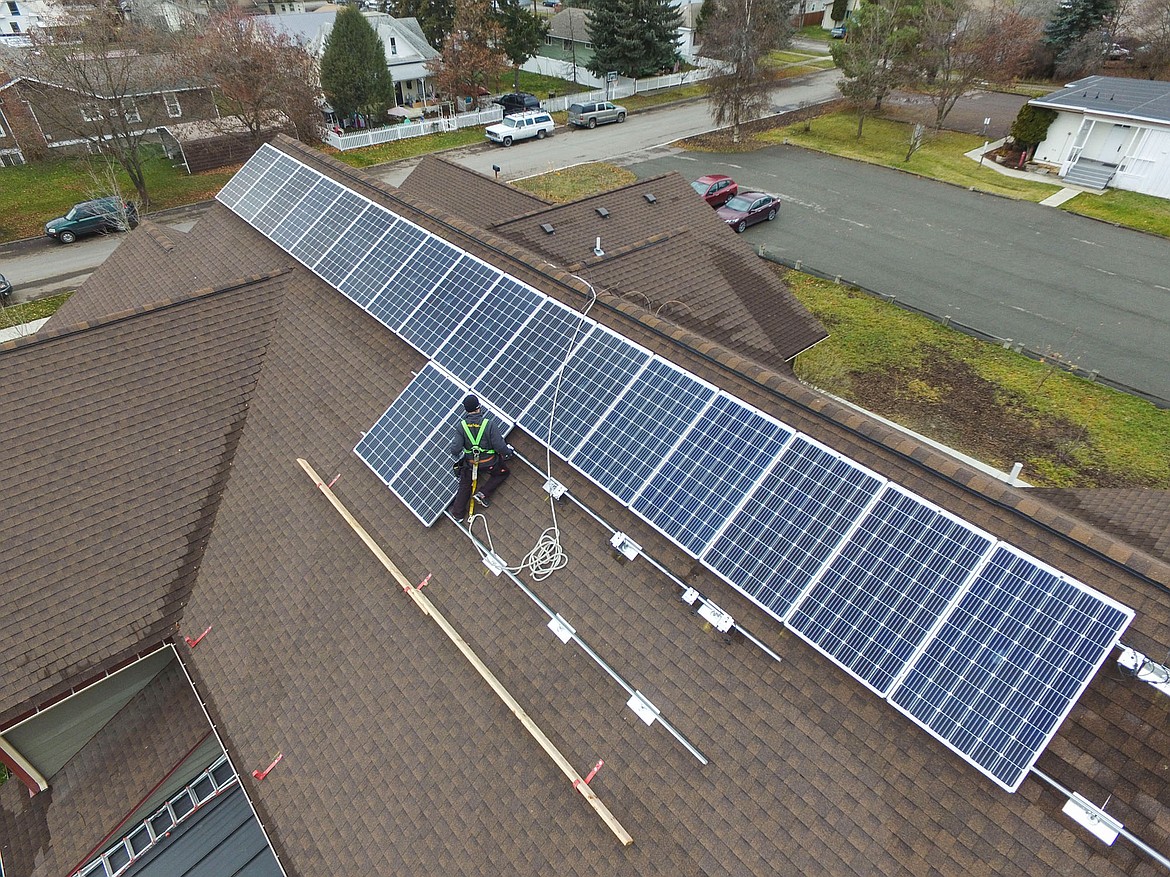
{"x": 435, "y": 17}
{"x": 633, "y": 37}
{"x": 90, "y": 75}
{"x": 742, "y": 33}
{"x": 471, "y": 58}
{"x": 354, "y": 75}
{"x": 961, "y": 43}
{"x": 257, "y": 73}
{"x": 877, "y": 57}
{"x": 524, "y": 34}
{"x": 840, "y": 10}
{"x": 1152, "y": 28}
{"x": 1031, "y": 125}
{"x": 1076, "y": 19}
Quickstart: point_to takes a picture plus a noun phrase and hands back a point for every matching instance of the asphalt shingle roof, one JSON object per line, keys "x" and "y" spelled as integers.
{"x": 1145, "y": 99}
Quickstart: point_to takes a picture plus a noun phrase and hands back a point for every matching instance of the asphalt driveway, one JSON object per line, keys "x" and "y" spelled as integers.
{"x": 1096, "y": 295}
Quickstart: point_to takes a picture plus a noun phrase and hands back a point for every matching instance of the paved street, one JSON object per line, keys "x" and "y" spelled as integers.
{"x": 1096, "y": 295}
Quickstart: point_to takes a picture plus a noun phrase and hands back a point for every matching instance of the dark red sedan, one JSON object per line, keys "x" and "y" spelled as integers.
{"x": 748, "y": 208}
{"x": 715, "y": 188}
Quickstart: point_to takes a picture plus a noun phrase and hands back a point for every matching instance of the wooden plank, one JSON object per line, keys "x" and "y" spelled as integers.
{"x": 428, "y": 608}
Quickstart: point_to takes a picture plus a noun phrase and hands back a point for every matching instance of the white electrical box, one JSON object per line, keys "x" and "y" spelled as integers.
{"x": 555, "y": 489}
{"x": 719, "y": 619}
{"x": 626, "y": 546}
{"x": 494, "y": 562}
{"x": 689, "y": 596}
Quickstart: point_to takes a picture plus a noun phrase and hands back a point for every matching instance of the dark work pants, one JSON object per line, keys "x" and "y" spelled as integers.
{"x": 491, "y": 476}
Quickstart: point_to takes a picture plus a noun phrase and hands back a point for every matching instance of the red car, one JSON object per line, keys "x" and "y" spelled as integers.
{"x": 748, "y": 209}
{"x": 715, "y": 188}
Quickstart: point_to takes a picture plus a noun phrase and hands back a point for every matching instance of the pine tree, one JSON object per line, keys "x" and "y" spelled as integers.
{"x": 1076, "y": 19}
{"x": 354, "y": 75}
{"x": 634, "y": 37}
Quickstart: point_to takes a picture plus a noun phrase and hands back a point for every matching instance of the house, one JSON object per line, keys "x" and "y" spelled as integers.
{"x": 18, "y": 17}
{"x": 407, "y": 50}
{"x": 568, "y": 35}
{"x": 40, "y": 117}
{"x": 178, "y": 587}
{"x": 1110, "y": 131}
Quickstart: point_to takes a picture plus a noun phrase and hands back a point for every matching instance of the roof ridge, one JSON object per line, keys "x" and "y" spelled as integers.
{"x": 48, "y": 333}
{"x": 585, "y": 199}
{"x": 636, "y": 246}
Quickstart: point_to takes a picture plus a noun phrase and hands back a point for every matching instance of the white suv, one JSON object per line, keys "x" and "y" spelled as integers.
{"x": 521, "y": 126}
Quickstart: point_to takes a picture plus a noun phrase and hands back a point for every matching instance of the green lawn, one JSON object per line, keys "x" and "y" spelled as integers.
{"x": 1143, "y": 212}
{"x": 27, "y": 312}
{"x": 886, "y": 142}
{"x": 1067, "y": 430}
{"x": 32, "y": 194}
{"x": 576, "y": 182}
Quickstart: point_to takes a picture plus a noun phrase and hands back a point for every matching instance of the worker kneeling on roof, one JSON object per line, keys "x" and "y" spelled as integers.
{"x": 480, "y": 452}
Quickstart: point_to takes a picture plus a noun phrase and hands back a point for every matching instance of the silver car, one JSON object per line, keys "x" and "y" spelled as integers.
{"x": 594, "y": 113}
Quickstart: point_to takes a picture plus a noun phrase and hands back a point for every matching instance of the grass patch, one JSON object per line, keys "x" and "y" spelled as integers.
{"x": 407, "y": 148}
{"x": 32, "y": 194}
{"x": 1066, "y": 430}
{"x": 644, "y": 100}
{"x": 812, "y": 32}
{"x": 28, "y": 311}
{"x": 885, "y": 142}
{"x": 1130, "y": 209}
{"x": 576, "y": 182}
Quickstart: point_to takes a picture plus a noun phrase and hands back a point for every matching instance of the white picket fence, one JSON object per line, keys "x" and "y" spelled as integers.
{"x": 621, "y": 88}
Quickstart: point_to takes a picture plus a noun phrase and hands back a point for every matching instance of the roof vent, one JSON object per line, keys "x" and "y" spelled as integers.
{"x": 649, "y": 196}
{"x": 597, "y": 251}
{"x": 547, "y": 227}
{"x": 602, "y": 212}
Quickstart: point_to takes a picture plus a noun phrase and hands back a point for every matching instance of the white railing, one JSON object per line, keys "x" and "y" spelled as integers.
{"x": 388, "y": 133}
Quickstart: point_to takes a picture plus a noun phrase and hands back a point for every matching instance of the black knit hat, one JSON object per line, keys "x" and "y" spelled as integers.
{"x": 470, "y": 404}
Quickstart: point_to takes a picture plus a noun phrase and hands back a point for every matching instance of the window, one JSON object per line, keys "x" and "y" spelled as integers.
{"x": 13, "y": 9}
{"x": 15, "y": 26}
{"x": 91, "y": 112}
{"x": 173, "y": 108}
{"x": 548, "y": 40}
{"x": 393, "y": 46}
{"x": 567, "y": 45}
{"x": 130, "y": 110}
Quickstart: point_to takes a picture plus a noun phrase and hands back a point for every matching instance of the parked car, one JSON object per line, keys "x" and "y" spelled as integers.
{"x": 517, "y": 102}
{"x": 715, "y": 188}
{"x": 520, "y": 126}
{"x": 748, "y": 208}
{"x": 5, "y": 290}
{"x": 93, "y": 217}
{"x": 594, "y": 113}
{"x": 838, "y": 32}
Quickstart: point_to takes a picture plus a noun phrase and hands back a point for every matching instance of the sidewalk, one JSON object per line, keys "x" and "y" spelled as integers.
{"x": 1066, "y": 193}
{"x": 22, "y": 330}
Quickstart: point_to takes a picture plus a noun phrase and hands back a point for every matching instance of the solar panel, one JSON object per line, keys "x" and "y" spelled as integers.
{"x": 319, "y": 200}
{"x": 724, "y": 454}
{"x": 377, "y": 268}
{"x": 285, "y": 200}
{"x": 800, "y": 511}
{"x": 1007, "y": 665}
{"x": 352, "y": 246}
{"x": 531, "y": 358}
{"x": 448, "y": 305}
{"x": 247, "y": 176}
{"x": 598, "y": 371}
{"x": 499, "y": 315}
{"x": 266, "y": 186}
{"x": 887, "y": 586}
{"x": 642, "y": 428}
{"x": 330, "y": 226}
{"x": 427, "y": 267}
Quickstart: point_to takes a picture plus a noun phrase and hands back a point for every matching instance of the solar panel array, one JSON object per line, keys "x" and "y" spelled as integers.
{"x": 980, "y": 644}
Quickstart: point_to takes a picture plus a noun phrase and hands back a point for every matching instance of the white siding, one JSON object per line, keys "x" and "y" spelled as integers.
{"x": 1055, "y": 147}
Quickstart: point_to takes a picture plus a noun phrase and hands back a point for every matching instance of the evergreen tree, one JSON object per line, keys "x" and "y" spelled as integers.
{"x": 1076, "y": 19}
{"x": 840, "y": 10}
{"x": 523, "y": 33}
{"x": 435, "y": 17}
{"x": 634, "y": 37}
{"x": 354, "y": 75}
{"x": 1031, "y": 125}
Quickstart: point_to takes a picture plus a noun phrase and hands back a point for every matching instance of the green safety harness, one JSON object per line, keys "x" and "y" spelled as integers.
{"x": 476, "y": 452}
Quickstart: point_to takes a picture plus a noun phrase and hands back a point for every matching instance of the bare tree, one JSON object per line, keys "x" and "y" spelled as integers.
{"x": 961, "y": 43}
{"x": 1152, "y": 30}
{"x": 741, "y": 33}
{"x": 259, "y": 74}
{"x": 877, "y": 57}
{"x": 97, "y": 83}
{"x": 472, "y": 55}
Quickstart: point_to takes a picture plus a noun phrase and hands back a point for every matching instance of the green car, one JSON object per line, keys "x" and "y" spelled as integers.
{"x": 93, "y": 217}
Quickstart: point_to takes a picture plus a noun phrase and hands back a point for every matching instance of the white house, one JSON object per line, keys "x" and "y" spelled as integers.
{"x": 1110, "y": 131}
{"x": 407, "y": 50}
{"x": 18, "y": 17}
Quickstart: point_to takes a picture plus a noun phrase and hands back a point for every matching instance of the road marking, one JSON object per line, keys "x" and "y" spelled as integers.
{"x": 1163, "y": 288}
{"x": 1090, "y": 243}
{"x": 1103, "y": 271}
{"x": 852, "y": 222}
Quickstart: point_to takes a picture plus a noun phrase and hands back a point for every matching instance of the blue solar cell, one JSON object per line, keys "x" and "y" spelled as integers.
{"x": 598, "y": 371}
{"x": 725, "y": 452}
{"x": 285, "y": 200}
{"x": 530, "y": 359}
{"x": 247, "y": 176}
{"x": 427, "y": 267}
{"x": 1007, "y": 665}
{"x": 426, "y": 483}
{"x": 376, "y": 271}
{"x": 893, "y": 578}
{"x": 449, "y": 303}
{"x": 390, "y": 443}
{"x": 330, "y": 226}
{"x": 266, "y": 186}
{"x": 641, "y": 429}
{"x": 354, "y": 245}
{"x": 319, "y": 200}
{"x": 497, "y": 317}
{"x": 795, "y": 517}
